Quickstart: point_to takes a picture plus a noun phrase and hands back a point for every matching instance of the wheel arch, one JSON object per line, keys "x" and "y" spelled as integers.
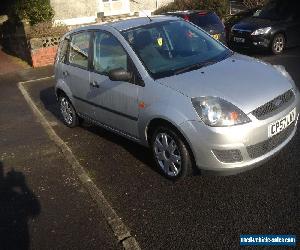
{"x": 59, "y": 92}
{"x": 62, "y": 89}
{"x": 283, "y": 32}
{"x": 156, "y": 122}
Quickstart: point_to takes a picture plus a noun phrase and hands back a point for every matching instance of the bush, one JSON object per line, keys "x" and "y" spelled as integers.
{"x": 46, "y": 29}
{"x": 35, "y": 11}
{"x": 221, "y": 7}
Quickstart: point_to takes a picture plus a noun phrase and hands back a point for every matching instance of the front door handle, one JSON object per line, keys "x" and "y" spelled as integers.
{"x": 94, "y": 84}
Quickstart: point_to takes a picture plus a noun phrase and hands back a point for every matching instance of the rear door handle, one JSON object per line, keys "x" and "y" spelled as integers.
{"x": 94, "y": 84}
{"x": 65, "y": 73}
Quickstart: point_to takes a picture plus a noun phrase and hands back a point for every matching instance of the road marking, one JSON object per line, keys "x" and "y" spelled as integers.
{"x": 36, "y": 80}
{"x": 120, "y": 230}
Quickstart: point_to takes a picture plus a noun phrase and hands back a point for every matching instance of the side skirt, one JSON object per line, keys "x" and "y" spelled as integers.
{"x": 97, "y": 123}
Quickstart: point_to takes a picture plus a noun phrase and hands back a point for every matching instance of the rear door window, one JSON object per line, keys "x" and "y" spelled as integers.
{"x": 79, "y": 49}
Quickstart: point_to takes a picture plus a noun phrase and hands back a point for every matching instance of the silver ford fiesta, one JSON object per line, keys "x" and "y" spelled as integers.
{"x": 166, "y": 84}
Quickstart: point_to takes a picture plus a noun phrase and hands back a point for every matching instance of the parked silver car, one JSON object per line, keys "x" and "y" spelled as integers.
{"x": 166, "y": 84}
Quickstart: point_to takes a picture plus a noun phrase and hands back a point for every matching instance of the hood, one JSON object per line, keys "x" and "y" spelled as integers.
{"x": 245, "y": 82}
{"x": 253, "y": 23}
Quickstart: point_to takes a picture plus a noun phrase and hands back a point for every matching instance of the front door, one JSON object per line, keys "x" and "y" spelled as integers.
{"x": 117, "y": 102}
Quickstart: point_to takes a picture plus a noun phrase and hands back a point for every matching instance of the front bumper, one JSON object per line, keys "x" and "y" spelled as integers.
{"x": 205, "y": 141}
{"x": 260, "y": 42}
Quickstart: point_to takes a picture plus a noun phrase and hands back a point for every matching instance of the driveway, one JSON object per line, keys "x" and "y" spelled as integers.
{"x": 201, "y": 212}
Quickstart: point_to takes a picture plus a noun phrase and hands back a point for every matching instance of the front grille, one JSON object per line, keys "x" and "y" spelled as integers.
{"x": 241, "y": 33}
{"x": 228, "y": 156}
{"x": 264, "y": 147}
{"x": 275, "y": 104}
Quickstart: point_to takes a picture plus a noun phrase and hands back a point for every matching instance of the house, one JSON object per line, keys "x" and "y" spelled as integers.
{"x": 72, "y": 12}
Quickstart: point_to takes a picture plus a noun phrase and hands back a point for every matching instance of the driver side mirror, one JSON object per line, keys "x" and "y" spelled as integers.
{"x": 120, "y": 75}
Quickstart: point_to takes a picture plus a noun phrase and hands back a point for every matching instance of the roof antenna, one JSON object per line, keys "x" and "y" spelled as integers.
{"x": 145, "y": 13}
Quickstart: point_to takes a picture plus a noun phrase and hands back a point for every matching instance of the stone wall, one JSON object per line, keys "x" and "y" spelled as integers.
{"x": 37, "y": 51}
{"x": 43, "y": 50}
{"x": 43, "y": 56}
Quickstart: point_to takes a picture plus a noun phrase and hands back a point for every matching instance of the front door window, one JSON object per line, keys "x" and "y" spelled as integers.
{"x": 108, "y": 54}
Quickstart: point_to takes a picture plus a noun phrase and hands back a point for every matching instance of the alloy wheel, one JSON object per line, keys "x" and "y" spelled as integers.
{"x": 66, "y": 110}
{"x": 278, "y": 44}
{"x": 167, "y": 154}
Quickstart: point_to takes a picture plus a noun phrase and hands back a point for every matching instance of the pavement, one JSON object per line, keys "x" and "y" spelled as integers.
{"x": 201, "y": 212}
{"x": 42, "y": 203}
{"x": 10, "y": 64}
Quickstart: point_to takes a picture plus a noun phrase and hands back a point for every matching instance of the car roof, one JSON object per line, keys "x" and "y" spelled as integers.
{"x": 127, "y": 24}
{"x": 188, "y": 12}
{"x": 141, "y": 21}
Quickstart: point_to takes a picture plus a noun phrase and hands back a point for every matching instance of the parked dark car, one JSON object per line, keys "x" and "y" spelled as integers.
{"x": 207, "y": 20}
{"x": 236, "y": 18}
{"x": 274, "y": 27}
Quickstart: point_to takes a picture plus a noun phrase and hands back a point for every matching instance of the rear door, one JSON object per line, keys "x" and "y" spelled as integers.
{"x": 116, "y": 102}
{"x": 76, "y": 73}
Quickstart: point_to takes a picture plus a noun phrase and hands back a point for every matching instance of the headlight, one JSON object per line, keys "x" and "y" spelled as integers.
{"x": 281, "y": 69}
{"x": 217, "y": 112}
{"x": 261, "y": 31}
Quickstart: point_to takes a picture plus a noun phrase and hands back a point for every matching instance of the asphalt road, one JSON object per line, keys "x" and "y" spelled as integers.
{"x": 201, "y": 212}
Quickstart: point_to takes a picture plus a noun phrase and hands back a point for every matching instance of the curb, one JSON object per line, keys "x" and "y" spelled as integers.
{"x": 119, "y": 229}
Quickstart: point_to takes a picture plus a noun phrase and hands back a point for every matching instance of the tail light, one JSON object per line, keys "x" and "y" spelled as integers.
{"x": 202, "y": 13}
{"x": 186, "y": 18}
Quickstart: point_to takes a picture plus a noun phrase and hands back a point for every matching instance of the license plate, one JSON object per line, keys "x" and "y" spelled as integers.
{"x": 216, "y": 36}
{"x": 239, "y": 39}
{"x": 281, "y": 124}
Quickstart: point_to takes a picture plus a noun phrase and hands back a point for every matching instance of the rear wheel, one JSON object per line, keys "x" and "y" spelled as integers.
{"x": 70, "y": 118}
{"x": 171, "y": 154}
{"x": 278, "y": 44}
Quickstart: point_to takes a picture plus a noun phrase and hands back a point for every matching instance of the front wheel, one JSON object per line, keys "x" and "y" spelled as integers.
{"x": 278, "y": 44}
{"x": 68, "y": 112}
{"x": 171, "y": 153}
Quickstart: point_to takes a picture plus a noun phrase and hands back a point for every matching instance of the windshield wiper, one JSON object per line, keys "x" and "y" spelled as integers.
{"x": 192, "y": 67}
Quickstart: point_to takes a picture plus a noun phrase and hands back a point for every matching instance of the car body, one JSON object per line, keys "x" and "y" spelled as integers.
{"x": 164, "y": 83}
{"x": 274, "y": 27}
{"x": 236, "y": 18}
{"x": 206, "y": 20}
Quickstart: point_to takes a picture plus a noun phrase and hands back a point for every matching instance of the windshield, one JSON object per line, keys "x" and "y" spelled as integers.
{"x": 274, "y": 11}
{"x": 174, "y": 47}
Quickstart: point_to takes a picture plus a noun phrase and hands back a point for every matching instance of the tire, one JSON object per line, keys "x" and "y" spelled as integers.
{"x": 278, "y": 44}
{"x": 171, "y": 154}
{"x": 68, "y": 113}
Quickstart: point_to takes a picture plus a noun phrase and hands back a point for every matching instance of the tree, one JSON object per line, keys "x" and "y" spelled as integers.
{"x": 221, "y": 7}
{"x": 35, "y": 11}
